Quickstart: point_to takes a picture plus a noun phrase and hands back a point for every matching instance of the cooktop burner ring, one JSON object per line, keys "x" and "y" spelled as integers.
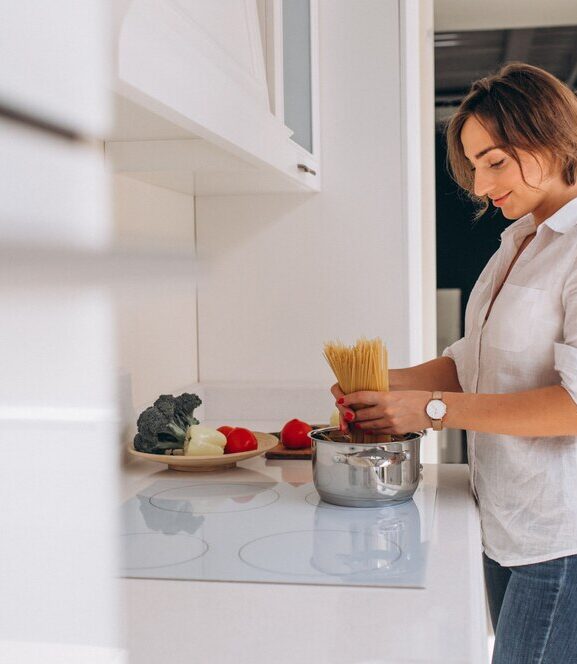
{"x": 264, "y": 493}
{"x": 200, "y": 548}
{"x": 325, "y": 556}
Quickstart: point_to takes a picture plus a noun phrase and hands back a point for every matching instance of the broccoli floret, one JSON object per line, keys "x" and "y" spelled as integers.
{"x": 184, "y": 408}
{"x": 163, "y": 426}
{"x": 140, "y": 443}
{"x": 166, "y": 404}
{"x": 158, "y": 432}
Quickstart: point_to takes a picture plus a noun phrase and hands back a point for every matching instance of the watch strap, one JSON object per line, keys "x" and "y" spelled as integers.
{"x": 437, "y": 424}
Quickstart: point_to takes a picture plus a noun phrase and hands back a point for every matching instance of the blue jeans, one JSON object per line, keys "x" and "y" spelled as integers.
{"x": 534, "y": 611}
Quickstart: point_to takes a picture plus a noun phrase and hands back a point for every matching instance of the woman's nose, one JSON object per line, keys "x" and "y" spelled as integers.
{"x": 483, "y": 183}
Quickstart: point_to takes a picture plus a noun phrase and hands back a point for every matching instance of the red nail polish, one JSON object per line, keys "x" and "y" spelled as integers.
{"x": 341, "y": 400}
{"x": 349, "y": 416}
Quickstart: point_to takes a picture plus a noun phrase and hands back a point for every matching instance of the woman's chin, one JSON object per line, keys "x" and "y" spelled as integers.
{"x": 512, "y": 212}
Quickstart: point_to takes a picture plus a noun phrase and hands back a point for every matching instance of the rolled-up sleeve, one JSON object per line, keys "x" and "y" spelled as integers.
{"x": 456, "y": 351}
{"x": 566, "y": 352}
{"x": 566, "y": 366}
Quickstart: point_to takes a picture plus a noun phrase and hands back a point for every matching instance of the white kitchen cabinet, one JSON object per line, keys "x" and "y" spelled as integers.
{"x": 54, "y": 63}
{"x": 195, "y": 74}
{"x": 53, "y": 192}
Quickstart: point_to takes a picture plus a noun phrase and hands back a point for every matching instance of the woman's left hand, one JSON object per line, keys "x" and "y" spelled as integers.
{"x": 386, "y": 412}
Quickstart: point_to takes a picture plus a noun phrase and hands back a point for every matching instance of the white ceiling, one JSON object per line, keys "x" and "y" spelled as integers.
{"x": 498, "y": 14}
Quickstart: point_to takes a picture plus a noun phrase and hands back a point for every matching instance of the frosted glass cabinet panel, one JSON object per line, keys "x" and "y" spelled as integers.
{"x": 297, "y": 71}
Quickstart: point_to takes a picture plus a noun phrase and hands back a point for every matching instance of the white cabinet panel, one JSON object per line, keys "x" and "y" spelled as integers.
{"x": 52, "y": 191}
{"x": 58, "y": 472}
{"x": 231, "y": 26}
{"x": 54, "y": 63}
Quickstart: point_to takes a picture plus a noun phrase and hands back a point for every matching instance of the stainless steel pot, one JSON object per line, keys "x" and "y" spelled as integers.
{"x": 365, "y": 475}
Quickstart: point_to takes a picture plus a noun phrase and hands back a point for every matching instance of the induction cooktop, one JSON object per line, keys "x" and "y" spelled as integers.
{"x": 273, "y": 532}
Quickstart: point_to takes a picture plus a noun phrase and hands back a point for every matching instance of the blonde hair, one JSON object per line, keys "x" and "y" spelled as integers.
{"x": 521, "y": 107}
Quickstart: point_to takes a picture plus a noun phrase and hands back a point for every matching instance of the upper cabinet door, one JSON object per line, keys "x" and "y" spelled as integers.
{"x": 54, "y": 66}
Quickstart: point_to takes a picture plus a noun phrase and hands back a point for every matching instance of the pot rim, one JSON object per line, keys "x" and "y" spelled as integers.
{"x": 412, "y": 435}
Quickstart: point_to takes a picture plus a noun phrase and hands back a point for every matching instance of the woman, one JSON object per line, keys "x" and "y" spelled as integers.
{"x": 511, "y": 381}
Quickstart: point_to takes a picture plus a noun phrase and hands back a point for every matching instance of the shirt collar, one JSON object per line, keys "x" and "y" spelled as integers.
{"x": 561, "y": 221}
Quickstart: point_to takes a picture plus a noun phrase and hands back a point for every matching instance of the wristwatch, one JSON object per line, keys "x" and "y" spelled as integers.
{"x": 436, "y": 409}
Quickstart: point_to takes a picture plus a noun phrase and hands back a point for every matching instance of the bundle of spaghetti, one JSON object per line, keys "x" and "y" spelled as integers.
{"x": 364, "y": 366}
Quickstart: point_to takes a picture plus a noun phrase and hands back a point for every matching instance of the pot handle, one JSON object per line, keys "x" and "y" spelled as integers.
{"x": 373, "y": 458}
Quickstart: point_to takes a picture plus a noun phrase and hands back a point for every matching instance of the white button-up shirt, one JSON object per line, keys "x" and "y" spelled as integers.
{"x": 526, "y": 486}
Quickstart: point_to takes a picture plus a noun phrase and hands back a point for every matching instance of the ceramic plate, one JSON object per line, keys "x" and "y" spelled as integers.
{"x": 266, "y": 441}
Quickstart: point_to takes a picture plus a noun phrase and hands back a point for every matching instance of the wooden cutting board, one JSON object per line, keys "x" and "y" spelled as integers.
{"x": 282, "y": 452}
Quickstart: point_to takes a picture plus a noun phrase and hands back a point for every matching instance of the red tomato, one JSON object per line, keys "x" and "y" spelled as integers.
{"x": 294, "y": 434}
{"x": 240, "y": 440}
{"x": 225, "y": 430}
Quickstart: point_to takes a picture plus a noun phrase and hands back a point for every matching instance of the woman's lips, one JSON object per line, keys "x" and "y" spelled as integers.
{"x": 497, "y": 202}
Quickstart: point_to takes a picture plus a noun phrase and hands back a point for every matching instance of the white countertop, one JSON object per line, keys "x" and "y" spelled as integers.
{"x": 184, "y": 622}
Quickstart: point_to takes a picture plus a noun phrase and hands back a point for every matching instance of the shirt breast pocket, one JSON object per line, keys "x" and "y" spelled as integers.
{"x": 512, "y": 321}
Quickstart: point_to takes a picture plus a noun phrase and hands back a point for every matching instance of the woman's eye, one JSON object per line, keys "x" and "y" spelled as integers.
{"x": 498, "y": 164}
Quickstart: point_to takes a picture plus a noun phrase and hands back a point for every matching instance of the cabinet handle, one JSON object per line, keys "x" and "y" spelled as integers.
{"x": 306, "y": 169}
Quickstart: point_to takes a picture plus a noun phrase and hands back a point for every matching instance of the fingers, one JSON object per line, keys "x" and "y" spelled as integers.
{"x": 358, "y": 399}
{"x": 351, "y": 405}
{"x": 359, "y": 408}
{"x": 367, "y": 413}
{"x": 338, "y": 395}
{"x": 336, "y": 391}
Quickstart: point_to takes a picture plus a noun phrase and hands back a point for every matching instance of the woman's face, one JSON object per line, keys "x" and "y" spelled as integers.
{"x": 498, "y": 176}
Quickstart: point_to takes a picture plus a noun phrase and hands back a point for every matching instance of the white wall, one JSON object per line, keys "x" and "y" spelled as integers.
{"x": 155, "y": 316}
{"x": 286, "y": 273}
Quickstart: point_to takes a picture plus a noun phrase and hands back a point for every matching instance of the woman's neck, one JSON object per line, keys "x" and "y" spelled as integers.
{"x": 554, "y": 202}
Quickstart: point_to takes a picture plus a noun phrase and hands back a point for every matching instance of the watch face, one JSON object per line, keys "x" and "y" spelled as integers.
{"x": 436, "y": 409}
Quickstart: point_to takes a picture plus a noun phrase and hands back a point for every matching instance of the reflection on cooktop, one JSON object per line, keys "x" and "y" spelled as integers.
{"x": 275, "y": 533}
{"x": 214, "y": 498}
{"x": 317, "y": 552}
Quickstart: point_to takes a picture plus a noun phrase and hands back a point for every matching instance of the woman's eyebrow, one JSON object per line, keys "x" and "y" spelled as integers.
{"x": 484, "y": 152}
